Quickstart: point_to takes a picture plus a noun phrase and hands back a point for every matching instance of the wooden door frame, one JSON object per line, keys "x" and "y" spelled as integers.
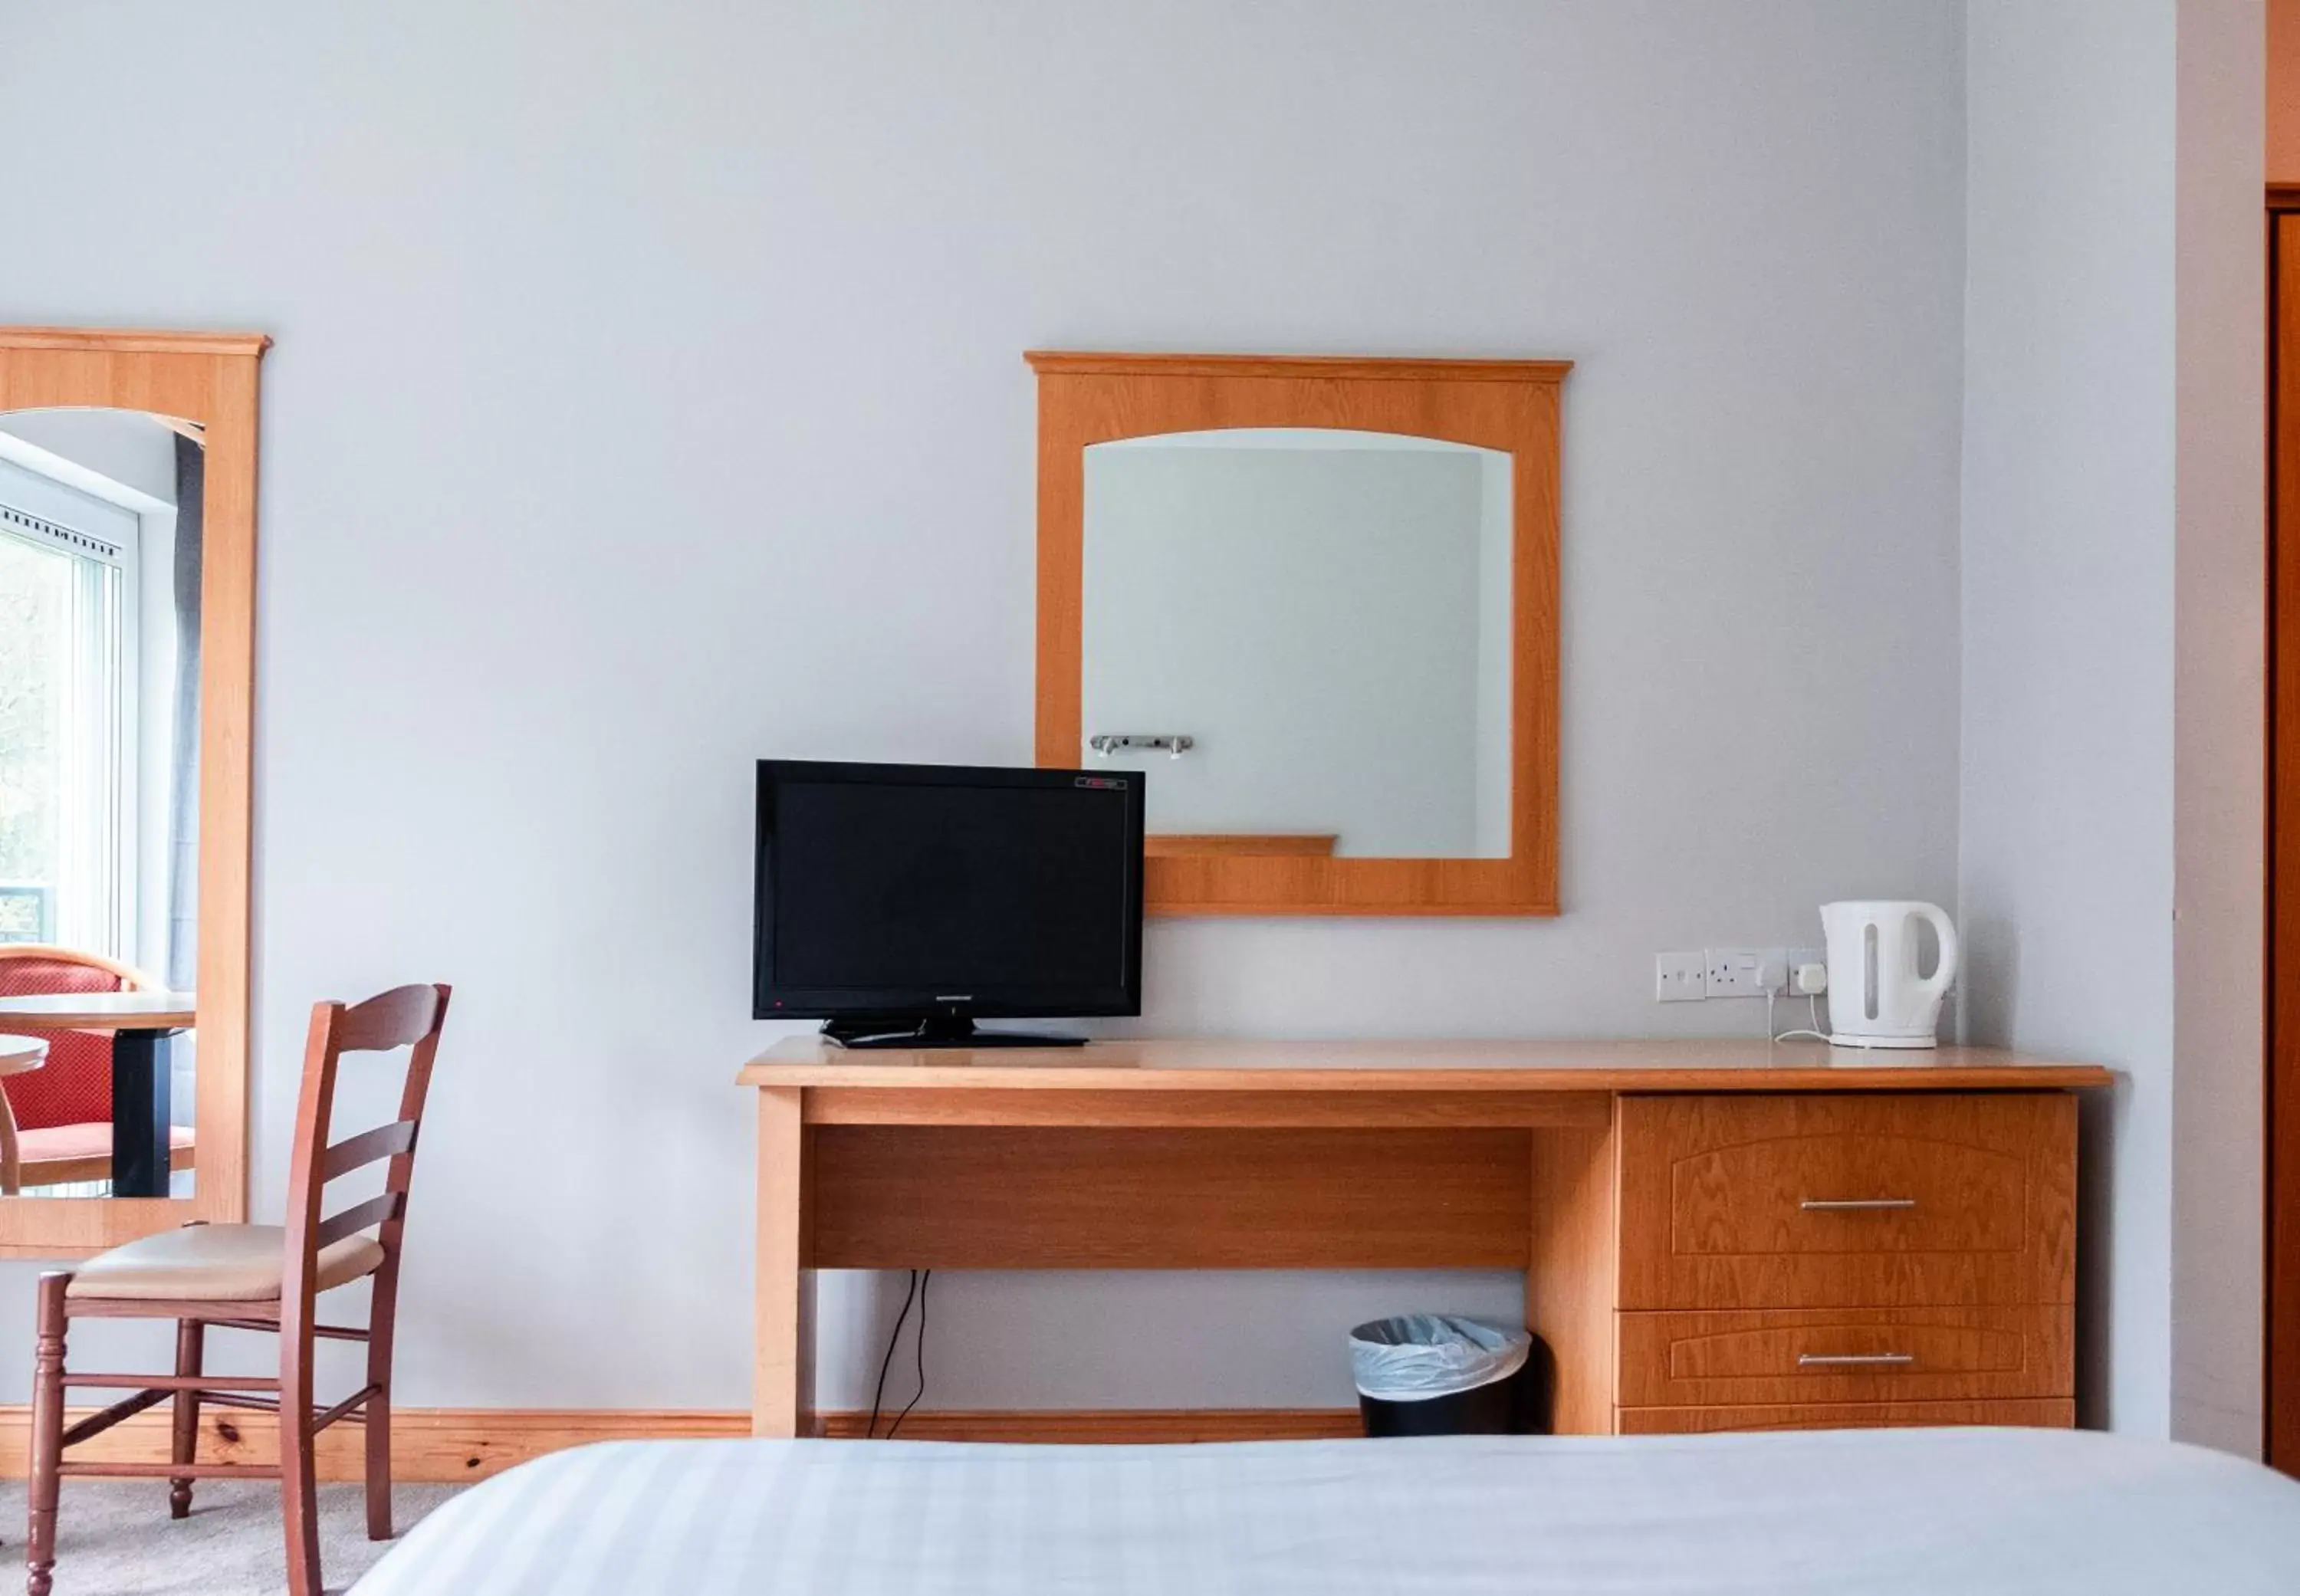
{"x": 2280, "y": 1009}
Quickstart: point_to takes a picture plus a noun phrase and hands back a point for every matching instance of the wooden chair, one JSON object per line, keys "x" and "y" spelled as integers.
{"x": 255, "y": 1278}
{"x": 55, "y": 1122}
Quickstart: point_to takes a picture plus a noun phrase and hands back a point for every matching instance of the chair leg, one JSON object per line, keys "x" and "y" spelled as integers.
{"x": 48, "y": 1434}
{"x": 379, "y": 1431}
{"x": 299, "y": 1501}
{"x": 184, "y": 1448}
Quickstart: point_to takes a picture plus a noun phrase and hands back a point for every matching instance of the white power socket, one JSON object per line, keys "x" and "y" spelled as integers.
{"x": 1681, "y": 978}
{"x": 1745, "y": 972}
{"x": 1800, "y": 961}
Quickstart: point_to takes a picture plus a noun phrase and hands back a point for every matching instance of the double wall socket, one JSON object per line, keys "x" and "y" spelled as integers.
{"x": 1689, "y": 978}
{"x": 1745, "y": 972}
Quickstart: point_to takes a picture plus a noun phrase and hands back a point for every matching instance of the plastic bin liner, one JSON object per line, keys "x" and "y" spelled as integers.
{"x": 1418, "y": 1356}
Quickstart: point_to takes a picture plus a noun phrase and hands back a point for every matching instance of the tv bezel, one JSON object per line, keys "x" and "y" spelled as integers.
{"x": 897, "y": 1004}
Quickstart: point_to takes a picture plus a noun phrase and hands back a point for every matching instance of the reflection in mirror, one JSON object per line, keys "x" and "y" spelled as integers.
{"x": 1325, "y": 616}
{"x": 100, "y": 545}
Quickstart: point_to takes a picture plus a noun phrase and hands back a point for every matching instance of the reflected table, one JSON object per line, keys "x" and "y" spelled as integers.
{"x": 138, "y": 1021}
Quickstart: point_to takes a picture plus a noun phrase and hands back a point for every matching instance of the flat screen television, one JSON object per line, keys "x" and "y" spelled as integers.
{"x": 901, "y": 903}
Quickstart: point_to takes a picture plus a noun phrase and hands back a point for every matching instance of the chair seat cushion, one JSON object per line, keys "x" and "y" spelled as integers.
{"x": 215, "y": 1263}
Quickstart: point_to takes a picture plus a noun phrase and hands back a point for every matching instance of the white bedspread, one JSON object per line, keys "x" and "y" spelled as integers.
{"x": 1851, "y": 1513}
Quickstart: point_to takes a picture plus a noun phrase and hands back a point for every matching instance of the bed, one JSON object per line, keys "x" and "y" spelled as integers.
{"x": 1853, "y": 1513}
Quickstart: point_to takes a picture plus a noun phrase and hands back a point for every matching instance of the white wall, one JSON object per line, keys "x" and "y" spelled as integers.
{"x": 2219, "y": 674}
{"x": 2110, "y": 573}
{"x": 648, "y": 398}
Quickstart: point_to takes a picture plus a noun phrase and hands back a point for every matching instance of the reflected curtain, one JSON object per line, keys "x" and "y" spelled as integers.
{"x": 184, "y": 757}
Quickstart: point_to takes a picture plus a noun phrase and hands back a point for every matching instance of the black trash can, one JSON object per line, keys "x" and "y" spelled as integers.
{"x": 1434, "y": 1373}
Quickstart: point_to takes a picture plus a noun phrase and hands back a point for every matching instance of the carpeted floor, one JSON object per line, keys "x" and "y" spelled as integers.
{"x": 115, "y": 1537}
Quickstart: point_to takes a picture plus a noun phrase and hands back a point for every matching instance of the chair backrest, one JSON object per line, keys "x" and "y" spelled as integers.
{"x": 74, "y": 1085}
{"x": 408, "y": 1017}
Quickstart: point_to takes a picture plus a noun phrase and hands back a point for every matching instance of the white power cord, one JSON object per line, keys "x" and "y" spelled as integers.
{"x": 1813, "y": 1008}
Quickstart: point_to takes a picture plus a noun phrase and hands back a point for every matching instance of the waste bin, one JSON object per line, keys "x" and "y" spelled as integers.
{"x": 1435, "y": 1374}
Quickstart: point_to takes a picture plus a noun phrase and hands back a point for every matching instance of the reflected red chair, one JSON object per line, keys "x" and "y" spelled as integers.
{"x": 55, "y": 1121}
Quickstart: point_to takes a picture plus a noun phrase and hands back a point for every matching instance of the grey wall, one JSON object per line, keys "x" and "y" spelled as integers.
{"x": 648, "y": 398}
{"x": 2110, "y": 568}
{"x": 2218, "y": 700}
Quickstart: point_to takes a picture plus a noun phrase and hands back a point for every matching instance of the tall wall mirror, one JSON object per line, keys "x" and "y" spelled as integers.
{"x": 1312, "y": 603}
{"x": 127, "y": 567}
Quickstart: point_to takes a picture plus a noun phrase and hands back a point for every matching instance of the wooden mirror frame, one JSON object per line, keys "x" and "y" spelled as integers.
{"x": 209, "y": 378}
{"x": 1509, "y": 405}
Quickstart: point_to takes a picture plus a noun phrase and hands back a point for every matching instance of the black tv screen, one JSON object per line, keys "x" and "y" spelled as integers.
{"x": 898, "y": 891}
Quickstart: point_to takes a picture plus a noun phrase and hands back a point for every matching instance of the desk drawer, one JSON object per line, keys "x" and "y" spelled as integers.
{"x": 1844, "y": 1355}
{"x": 1846, "y": 1200}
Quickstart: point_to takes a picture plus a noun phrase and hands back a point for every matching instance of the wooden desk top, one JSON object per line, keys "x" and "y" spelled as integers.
{"x": 1751, "y": 1065}
{"x": 100, "y": 1011}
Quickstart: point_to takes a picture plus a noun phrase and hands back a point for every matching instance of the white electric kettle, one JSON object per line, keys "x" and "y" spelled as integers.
{"x": 1875, "y": 998}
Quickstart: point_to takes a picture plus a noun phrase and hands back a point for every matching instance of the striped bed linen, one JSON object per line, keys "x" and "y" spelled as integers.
{"x": 1974, "y": 1512}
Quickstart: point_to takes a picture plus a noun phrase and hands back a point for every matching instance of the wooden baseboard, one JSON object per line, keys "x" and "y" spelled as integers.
{"x": 429, "y": 1446}
{"x": 435, "y": 1445}
{"x": 1115, "y": 1425}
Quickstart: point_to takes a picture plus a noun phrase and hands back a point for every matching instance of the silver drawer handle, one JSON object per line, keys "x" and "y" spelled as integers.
{"x": 1846, "y": 1205}
{"x": 1856, "y": 1360}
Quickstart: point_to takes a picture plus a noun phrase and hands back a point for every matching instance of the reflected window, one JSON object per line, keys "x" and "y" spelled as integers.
{"x": 66, "y": 705}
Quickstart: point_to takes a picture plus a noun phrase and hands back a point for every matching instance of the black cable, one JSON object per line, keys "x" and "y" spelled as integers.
{"x": 888, "y": 1362}
{"x": 920, "y": 1346}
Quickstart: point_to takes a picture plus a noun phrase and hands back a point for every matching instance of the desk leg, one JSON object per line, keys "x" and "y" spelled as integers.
{"x": 782, "y": 1388}
{"x": 1571, "y": 1271}
{"x": 140, "y": 1110}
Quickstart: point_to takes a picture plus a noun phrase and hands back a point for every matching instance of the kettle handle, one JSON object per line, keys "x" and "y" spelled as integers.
{"x": 1945, "y": 929}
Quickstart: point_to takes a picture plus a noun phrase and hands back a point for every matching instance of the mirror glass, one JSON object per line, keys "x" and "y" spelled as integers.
{"x": 100, "y": 546}
{"x": 1325, "y": 616}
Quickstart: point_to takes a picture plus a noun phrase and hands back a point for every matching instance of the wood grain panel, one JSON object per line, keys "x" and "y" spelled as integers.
{"x": 1085, "y": 399}
{"x": 1314, "y": 368}
{"x": 209, "y": 378}
{"x": 2283, "y": 1109}
{"x": 1181, "y": 844}
{"x": 1714, "y": 1191}
{"x": 898, "y": 1197}
{"x": 1334, "y": 1110}
{"x": 1120, "y": 1426}
{"x": 429, "y": 1446}
{"x": 1570, "y": 1271}
{"x": 782, "y": 1379}
{"x": 2048, "y": 1413}
{"x": 460, "y": 1445}
{"x": 1154, "y": 1065}
{"x": 1708, "y": 1359}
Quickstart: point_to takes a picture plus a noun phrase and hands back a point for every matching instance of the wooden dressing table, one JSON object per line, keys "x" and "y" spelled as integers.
{"x": 1715, "y": 1233}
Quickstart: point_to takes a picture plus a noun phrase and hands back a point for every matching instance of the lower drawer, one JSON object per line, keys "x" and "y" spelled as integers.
{"x": 2052, "y": 1413}
{"x": 1799, "y": 1356}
